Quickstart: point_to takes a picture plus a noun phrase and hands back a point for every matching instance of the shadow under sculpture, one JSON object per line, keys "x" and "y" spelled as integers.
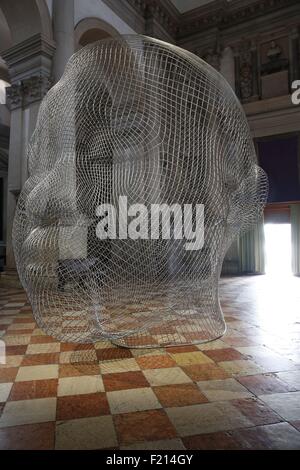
{"x": 134, "y": 120}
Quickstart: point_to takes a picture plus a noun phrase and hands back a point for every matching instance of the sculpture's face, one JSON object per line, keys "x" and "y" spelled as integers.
{"x": 143, "y": 119}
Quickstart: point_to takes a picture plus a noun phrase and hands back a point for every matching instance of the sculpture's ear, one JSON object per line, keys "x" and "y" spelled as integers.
{"x": 248, "y": 201}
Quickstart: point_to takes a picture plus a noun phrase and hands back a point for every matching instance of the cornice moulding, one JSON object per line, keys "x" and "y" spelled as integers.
{"x": 226, "y": 15}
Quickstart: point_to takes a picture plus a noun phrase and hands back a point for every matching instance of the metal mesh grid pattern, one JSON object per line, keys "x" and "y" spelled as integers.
{"x": 138, "y": 117}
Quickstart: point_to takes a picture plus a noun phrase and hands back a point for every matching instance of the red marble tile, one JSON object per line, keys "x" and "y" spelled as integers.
{"x": 143, "y": 426}
{"x": 205, "y": 372}
{"x": 278, "y": 436}
{"x": 26, "y": 308}
{"x": 124, "y": 380}
{"x": 82, "y": 406}
{"x": 40, "y": 359}
{"x": 182, "y": 349}
{"x": 23, "y": 320}
{"x": 264, "y": 384}
{"x": 30, "y": 436}
{"x": 8, "y": 374}
{"x": 179, "y": 395}
{"x": 155, "y": 362}
{"x": 16, "y": 350}
{"x": 75, "y": 370}
{"x": 41, "y": 339}
{"x": 29, "y": 390}
{"x": 256, "y": 411}
{"x": 227, "y": 354}
{"x": 113, "y": 353}
{"x": 239, "y": 341}
{"x": 27, "y": 331}
{"x": 212, "y": 441}
{"x": 142, "y": 340}
{"x": 76, "y": 347}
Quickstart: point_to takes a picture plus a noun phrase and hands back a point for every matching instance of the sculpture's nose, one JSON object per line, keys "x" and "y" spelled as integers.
{"x": 53, "y": 199}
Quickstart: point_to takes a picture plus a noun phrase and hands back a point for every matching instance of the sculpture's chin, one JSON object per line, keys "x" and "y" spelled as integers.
{"x": 71, "y": 315}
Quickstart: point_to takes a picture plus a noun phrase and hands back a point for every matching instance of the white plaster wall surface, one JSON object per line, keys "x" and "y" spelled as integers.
{"x": 96, "y": 9}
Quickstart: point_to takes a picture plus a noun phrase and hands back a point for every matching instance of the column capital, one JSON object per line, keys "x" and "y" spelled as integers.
{"x": 28, "y": 91}
{"x": 29, "y": 64}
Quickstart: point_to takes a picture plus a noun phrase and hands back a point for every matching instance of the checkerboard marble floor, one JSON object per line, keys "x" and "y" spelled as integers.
{"x": 239, "y": 392}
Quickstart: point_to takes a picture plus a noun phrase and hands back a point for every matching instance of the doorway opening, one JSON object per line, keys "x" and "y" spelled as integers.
{"x": 278, "y": 249}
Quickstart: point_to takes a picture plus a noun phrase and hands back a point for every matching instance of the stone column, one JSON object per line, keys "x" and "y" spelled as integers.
{"x": 294, "y": 55}
{"x": 227, "y": 68}
{"x": 255, "y": 78}
{"x": 63, "y": 32}
{"x": 30, "y": 72}
{"x": 237, "y": 73}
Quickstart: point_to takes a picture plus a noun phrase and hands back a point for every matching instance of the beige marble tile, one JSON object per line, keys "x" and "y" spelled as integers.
{"x": 43, "y": 348}
{"x": 104, "y": 345}
{"x": 5, "y": 389}
{"x": 15, "y": 304}
{"x": 206, "y": 418}
{"x": 39, "y": 332}
{"x": 20, "y": 412}
{"x": 291, "y": 377}
{"x": 166, "y": 444}
{"x": 17, "y": 340}
{"x": 268, "y": 359}
{"x": 80, "y": 385}
{"x": 86, "y": 433}
{"x": 287, "y": 405}
{"x": 189, "y": 358}
{"x": 37, "y": 372}
{"x": 118, "y": 365}
{"x": 241, "y": 367}
{"x": 138, "y": 399}
{"x": 70, "y": 357}
{"x": 13, "y": 361}
{"x": 227, "y": 389}
{"x": 21, "y": 326}
{"x": 6, "y": 321}
{"x": 144, "y": 352}
{"x": 12, "y": 312}
{"x": 217, "y": 344}
{"x": 166, "y": 376}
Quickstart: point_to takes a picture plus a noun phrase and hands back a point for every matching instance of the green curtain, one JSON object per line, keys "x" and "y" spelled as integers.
{"x": 295, "y": 229}
{"x": 251, "y": 249}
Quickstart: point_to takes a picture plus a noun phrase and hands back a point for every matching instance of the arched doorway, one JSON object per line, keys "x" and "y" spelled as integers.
{"x": 90, "y": 30}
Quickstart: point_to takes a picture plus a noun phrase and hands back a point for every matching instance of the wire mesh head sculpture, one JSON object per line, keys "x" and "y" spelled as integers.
{"x": 133, "y": 121}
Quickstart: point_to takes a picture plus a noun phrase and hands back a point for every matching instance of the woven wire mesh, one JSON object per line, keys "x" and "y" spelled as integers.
{"x": 142, "y": 118}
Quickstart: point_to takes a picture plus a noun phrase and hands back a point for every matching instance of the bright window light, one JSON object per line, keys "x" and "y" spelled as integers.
{"x": 278, "y": 249}
{"x": 3, "y": 85}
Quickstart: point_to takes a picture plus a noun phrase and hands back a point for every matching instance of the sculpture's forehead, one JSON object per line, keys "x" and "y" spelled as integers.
{"x": 144, "y": 60}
